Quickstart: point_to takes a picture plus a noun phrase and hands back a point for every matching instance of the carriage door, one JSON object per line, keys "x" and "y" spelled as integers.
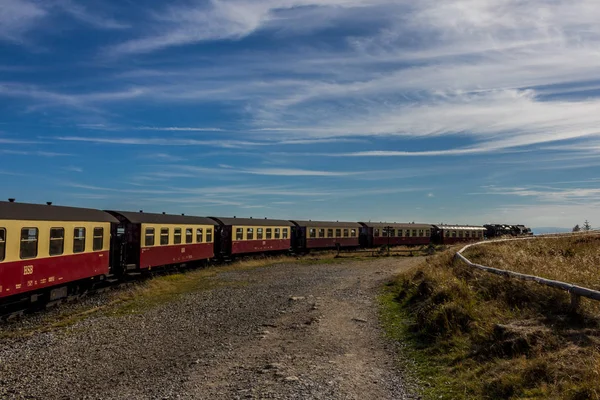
{"x": 117, "y": 248}
{"x": 299, "y": 239}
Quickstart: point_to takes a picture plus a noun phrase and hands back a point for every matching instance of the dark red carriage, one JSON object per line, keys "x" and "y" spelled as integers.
{"x": 325, "y": 234}
{"x": 236, "y": 236}
{"x": 376, "y": 234}
{"x": 145, "y": 240}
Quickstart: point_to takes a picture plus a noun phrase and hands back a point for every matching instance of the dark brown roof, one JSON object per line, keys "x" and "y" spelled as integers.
{"x": 327, "y": 224}
{"x": 251, "y": 221}
{"x": 40, "y": 212}
{"x": 150, "y": 218}
{"x": 396, "y": 225}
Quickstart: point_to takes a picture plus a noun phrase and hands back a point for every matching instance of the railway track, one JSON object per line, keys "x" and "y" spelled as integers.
{"x": 11, "y": 312}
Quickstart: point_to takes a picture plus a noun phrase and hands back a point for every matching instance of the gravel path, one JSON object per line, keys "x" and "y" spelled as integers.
{"x": 289, "y": 331}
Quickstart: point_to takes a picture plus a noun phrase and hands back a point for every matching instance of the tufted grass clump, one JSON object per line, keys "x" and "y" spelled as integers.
{"x": 475, "y": 335}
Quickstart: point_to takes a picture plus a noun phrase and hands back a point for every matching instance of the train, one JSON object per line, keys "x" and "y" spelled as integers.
{"x": 48, "y": 252}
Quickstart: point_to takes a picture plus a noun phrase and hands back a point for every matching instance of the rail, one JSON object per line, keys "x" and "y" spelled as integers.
{"x": 575, "y": 291}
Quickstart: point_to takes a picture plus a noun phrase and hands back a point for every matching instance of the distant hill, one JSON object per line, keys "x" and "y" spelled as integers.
{"x": 550, "y": 229}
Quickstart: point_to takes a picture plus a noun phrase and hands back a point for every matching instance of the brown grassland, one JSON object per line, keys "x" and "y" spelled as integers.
{"x": 570, "y": 259}
{"x": 469, "y": 334}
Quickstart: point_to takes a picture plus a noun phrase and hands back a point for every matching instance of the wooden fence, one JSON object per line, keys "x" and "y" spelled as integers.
{"x": 575, "y": 291}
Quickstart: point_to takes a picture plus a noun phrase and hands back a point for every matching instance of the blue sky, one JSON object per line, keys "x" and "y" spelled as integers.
{"x": 464, "y": 111}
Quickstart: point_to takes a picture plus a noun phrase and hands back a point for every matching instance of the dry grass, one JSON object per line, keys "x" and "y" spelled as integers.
{"x": 475, "y": 335}
{"x": 569, "y": 259}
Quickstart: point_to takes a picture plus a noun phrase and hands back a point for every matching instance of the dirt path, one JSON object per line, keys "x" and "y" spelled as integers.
{"x": 290, "y": 331}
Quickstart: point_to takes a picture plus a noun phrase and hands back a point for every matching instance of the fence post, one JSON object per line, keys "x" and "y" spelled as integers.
{"x": 575, "y": 299}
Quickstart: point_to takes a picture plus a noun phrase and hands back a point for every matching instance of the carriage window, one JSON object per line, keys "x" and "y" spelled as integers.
{"x": 149, "y": 241}
{"x": 427, "y": 233}
{"x": 177, "y": 236}
{"x": 467, "y": 234}
{"x": 399, "y": 232}
{"x": 376, "y": 232}
{"x": 189, "y": 235}
{"x": 312, "y": 233}
{"x": 321, "y": 233}
{"x": 29, "y": 242}
{"x": 285, "y": 233}
{"x": 447, "y": 233}
{"x": 239, "y": 234}
{"x": 164, "y": 236}
{"x": 453, "y": 234}
{"x": 2, "y": 243}
{"x": 338, "y": 233}
{"x": 269, "y": 233}
{"x": 57, "y": 241}
{"x": 353, "y": 232}
{"x": 259, "y": 233}
{"x": 384, "y": 232}
{"x": 98, "y": 243}
{"x": 421, "y": 232}
{"x": 250, "y": 234}
{"x": 209, "y": 235}
{"x": 78, "y": 240}
{"x": 199, "y": 235}
{"x": 277, "y": 233}
{"x": 346, "y": 232}
{"x": 329, "y": 233}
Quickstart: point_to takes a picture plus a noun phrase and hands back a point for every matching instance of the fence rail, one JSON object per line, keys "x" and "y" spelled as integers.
{"x": 575, "y": 291}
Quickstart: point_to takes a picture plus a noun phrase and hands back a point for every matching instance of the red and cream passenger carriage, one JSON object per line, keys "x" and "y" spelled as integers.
{"x": 46, "y": 246}
{"x": 143, "y": 240}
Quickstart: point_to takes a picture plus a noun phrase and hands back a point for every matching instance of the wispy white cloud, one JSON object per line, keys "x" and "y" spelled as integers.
{"x": 266, "y": 171}
{"x": 549, "y": 194}
{"x": 48, "y": 98}
{"x": 35, "y": 153}
{"x": 177, "y": 129}
{"x": 91, "y": 17}
{"x": 293, "y": 172}
{"x": 162, "y": 157}
{"x": 20, "y": 17}
{"x": 218, "y": 20}
{"x": 17, "y": 17}
{"x": 159, "y": 141}
{"x": 225, "y": 143}
{"x": 73, "y": 168}
{"x": 4, "y": 140}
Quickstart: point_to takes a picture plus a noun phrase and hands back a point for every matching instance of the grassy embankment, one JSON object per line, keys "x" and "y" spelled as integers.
{"x": 474, "y": 335}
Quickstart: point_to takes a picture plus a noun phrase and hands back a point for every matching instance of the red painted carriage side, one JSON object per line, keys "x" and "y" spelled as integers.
{"x": 175, "y": 254}
{"x": 399, "y": 241}
{"x": 317, "y": 243}
{"x": 29, "y": 275}
{"x": 259, "y": 246}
